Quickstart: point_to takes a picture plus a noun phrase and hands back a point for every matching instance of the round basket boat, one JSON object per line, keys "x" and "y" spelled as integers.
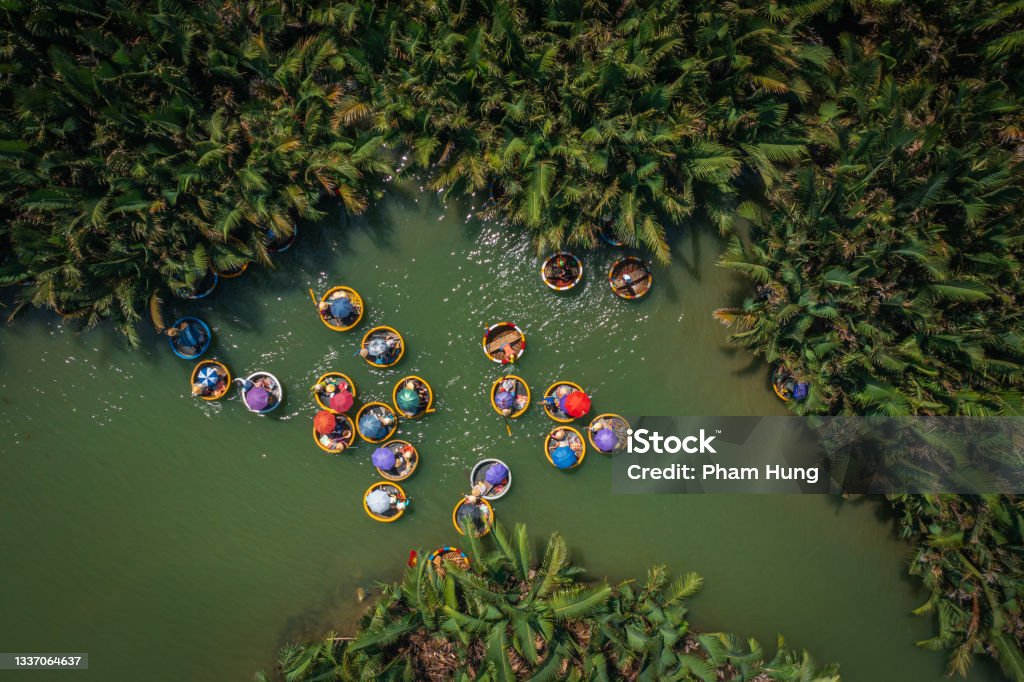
{"x": 340, "y": 439}
{"x": 403, "y": 468}
{"x": 332, "y": 381}
{"x": 521, "y": 393}
{"x": 786, "y": 386}
{"x": 480, "y": 515}
{"x": 556, "y": 412}
{"x": 455, "y": 556}
{"x": 203, "y": 288}
{"x": 479, "y": 476}
{"x": 350, "y": 320}
{"x": 630, "y": 278}
{"x": 616, "y": 424}
{"x": 570, "y": 437}
{"x": 395, "y": 492}
{"x": 269, "y": 383}
{"x": 504, "y": 342}
{"x": 561, "y": 271}
{"x": 382, "y": 411}
{"x": 200, "y": 337}
{"x": 424, "y": 394}
{"x": 281, "y": 244}
{"x": 390, "y": 352}
{"x": 219, "y": 389}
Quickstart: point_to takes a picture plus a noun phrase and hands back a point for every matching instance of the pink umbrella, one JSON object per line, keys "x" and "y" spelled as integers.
{"x": 341, "y": 400}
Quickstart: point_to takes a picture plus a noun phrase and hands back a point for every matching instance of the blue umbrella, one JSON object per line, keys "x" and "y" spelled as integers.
{"x": 378, "y": 501}
{"x": 504, "y": 400}
{"x": 496, "y": 473}
{"x": 564, "y": 457}
{"x": 383, "y": 459}
{"x": 800, "y": 391}
{"x": 208, "y": 376}
{"x": 341, "y": 308}
{"x": 191, "y": 335}
{"x": 371, "y": 427}
{"x": 605, "y": 440}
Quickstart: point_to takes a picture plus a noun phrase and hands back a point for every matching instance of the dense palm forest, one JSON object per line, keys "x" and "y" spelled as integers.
{"x": 510, "y": 617}
{"x": 862, "y": 158}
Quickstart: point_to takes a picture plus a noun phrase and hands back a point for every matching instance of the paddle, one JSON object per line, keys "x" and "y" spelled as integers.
{"x": 312, "y": 296}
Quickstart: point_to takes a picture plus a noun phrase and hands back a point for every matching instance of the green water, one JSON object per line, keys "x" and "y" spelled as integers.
{"x": 178, "y": 540}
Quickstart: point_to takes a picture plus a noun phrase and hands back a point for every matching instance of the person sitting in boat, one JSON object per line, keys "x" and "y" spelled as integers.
{"x": 198, "y": 389}
{"x": 598, "y": 425}
{"x": 554, "y": 400}
{"x": 399, "y": 503}
{"x": 627, "y": 284}
{"x": 560, "y": 437}
{"x": 509, "y": 353}
{"x": 385, "y": 417}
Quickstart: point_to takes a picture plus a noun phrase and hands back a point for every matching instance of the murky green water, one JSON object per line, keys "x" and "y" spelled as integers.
{"x": 173, "y": 540}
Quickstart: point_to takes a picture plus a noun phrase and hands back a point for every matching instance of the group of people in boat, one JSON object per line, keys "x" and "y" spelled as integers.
{"x": 382, "y": 349}
{"x": 207, "y": 385}
{"x": 337, "y": 440}
{"x": 339, "y": 309}
{"x": 189, "y": 337}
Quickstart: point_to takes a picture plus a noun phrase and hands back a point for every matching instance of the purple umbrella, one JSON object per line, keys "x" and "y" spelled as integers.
{"x": 605, "y": 440}
{"x": 504, "y": 400}
{"x": 496, "y": 473}
{"x": 383, "y": 459}
{"x": 257, "y": 399}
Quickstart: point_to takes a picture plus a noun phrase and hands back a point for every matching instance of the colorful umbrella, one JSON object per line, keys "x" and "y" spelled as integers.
{"x": 341, "y": 308}
{"x": 208, "y": 376}
{"x": 383, "y": 459}
{"x": 504, "y": 400}
{"x": 408, "y": 400}
{"x": 576, "y": 404}
{"x": 341, "y": 400}
{"x": 324, "y": 422}
{"x": 496, "y": 473}
{"x": 564, "y": 457}
{"x": 605, "y": 440}
{"x": 257, "y": 399}
{"x": 371, "y": 427}
{"x": 378, "y": 501}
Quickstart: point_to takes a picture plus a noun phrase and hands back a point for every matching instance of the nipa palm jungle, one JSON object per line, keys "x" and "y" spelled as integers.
{"x": 807, "y": 207}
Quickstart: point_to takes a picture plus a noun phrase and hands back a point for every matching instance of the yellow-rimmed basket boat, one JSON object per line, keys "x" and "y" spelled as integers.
{"x": 479, "y": 514}
{"x": 223, "y": 385}
{"x": 351, "y": 320}
{"x": 504, "y": 342}
{"x": 424, "y": 394}
{"x": 614, "y": 423}
{"x": 393, "y": 490}
{"x": 329, "y": 379}
{"x": 453, "y": 555}
{"x": 786, "y": 386}
{"x": 556, "y": 412}
{"x": 522, "y": 389}
{"x": 233, "y": 272}
{"x": 340, "y": 439}
{"x": 630, "y": 278}
{"x": 382, "y": 412}
{"x": 393, "y": 348}
{"x": 561, "y": 271}
{"x": 403, "y": 468}
{"x": 570, "y": 437}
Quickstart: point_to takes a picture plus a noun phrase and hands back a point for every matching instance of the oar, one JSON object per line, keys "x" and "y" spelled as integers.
{"x": 313, "y": 296}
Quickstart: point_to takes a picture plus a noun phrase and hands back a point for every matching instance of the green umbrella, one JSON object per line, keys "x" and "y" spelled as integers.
{"x": 408, "y": 400}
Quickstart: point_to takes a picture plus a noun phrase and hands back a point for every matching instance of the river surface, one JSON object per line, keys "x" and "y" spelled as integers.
{"x": 178, "y": 540}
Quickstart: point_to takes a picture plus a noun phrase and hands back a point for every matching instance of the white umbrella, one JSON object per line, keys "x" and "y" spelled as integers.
{"x": 378, "y": 501}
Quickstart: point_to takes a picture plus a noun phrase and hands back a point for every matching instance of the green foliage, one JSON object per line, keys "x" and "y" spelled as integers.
{"x": 499, "y": 622}
{"x": 142, "y": 144}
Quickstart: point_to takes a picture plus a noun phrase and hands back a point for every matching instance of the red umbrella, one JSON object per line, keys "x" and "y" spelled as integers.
{"x": 577, "y": 404}
{"x": 324, "y": 422}
{"x": 341, "y": 400}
